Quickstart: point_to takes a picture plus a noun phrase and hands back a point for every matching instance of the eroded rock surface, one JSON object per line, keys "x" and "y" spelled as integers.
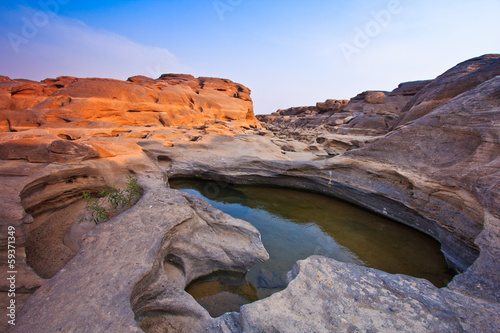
{"x": 437, "y": 172}
{"x": 171, "y": 100}
{"x": 141, "y": 261}
{"x": 340, "y": 125}
{"x": 349, "y": 298}
{"x": 325, "y": 295}
{"x": 63, "y": 136}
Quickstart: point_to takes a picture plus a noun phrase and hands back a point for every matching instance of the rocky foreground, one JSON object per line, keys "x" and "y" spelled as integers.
{"x": 426, "y": 154}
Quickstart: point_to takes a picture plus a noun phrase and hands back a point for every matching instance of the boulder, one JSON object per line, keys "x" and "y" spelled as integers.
{"x": 331, "y": 105}
{"x": 324, "y": 295}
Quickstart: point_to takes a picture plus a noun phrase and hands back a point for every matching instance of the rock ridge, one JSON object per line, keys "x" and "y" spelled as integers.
{"x": 171, "y": 100}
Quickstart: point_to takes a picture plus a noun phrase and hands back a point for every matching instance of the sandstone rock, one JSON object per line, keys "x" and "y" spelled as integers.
{"x": 141, "y": 79}
{"x": 18, "y": 120}
{"x": 325, "y": 295}
{"x": 35, "y": 151}
{"x": 437, "y": 173}
{"x": 62, "y": 151}
{"x": 375, "y": 97}
{"x": 76, "y": 232}
{"x": 168, "y": 218}
{"x": 331, "y": 105}
{"x": 375, "y": 123}
{"x": 410, "y": 88}
{"x": 371, "y": 113}
{"x": 295, "y": 111}
{"x": 172, "y": 100}
{"x": 336, "y": 144}
{"x": 448, "y": 146}
{"x": 294, "y": 146}
{"x": 452, "y": 83}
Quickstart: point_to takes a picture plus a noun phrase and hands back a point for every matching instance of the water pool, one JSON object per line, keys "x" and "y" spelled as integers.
{"x": 295, "y": 225}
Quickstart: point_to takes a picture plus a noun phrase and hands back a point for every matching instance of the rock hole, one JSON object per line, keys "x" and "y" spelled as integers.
{"x": 222, "y": 291}
{"x": 65, "y": 137}
{"x": 320, "y": 140}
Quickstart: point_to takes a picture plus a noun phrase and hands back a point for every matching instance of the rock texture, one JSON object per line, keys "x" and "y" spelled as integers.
{"x": 63, "y": 136}
{"x": 348, "y": 298}
{"x": 454, "y": 82}
{"x": 438, "y": 173}
{"x": 141, "y": 261}
{"x": 340, "y": 124}
{"x": 426, "y": 154}
{"x": 171, "y": 100}
{"x": 325, "y": 295}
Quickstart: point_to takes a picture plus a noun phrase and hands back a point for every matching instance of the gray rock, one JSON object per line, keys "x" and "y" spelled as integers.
{"x": 141, "y": 261}
{"x": 459, "y": 79}
{"x": 325, "y": 295}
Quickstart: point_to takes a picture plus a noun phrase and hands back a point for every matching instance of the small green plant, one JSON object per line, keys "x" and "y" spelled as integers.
{"x": 97, "y": 211}
{"x": 133, "y": 190}
{"x": 117, "y": 198}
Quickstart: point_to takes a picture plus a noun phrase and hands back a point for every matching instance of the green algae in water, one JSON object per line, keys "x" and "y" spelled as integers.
{"x": 295, "y": 225}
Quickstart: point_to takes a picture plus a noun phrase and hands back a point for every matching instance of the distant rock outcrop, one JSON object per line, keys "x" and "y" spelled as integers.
{"x": 369, "y": 113}
{"x": 340, "y": 125}
{"x": 461, "y": 78}
{"x": 171, "y": 100}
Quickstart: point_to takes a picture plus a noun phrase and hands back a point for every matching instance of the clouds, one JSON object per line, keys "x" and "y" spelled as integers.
{"x": 54, "y": 45}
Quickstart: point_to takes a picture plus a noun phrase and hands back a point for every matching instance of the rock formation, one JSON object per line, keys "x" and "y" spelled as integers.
{"x": 340, "y": 125}
{"x": 63, "y": 136}
{"x": 425, "y": 154}
{"x": 171, "y": 100}
{"x": 154, "y": 249}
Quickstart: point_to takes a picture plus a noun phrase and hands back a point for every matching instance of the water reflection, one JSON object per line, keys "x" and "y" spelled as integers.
{"x": 295, "y": 225}
{"x": 222, "y": 292}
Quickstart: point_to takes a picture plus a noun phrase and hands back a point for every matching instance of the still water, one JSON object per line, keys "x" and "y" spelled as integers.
{"x": 295, "y": 225}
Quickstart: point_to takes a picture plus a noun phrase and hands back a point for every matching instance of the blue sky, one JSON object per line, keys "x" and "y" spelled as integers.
{"x": 290, "y": 53}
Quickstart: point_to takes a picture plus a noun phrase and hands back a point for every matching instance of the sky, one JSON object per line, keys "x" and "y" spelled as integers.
{"x": 289, "y": 53}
